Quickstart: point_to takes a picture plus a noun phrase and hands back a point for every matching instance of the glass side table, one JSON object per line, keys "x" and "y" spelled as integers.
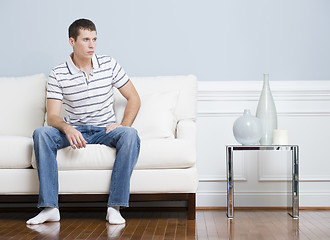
{"x": 230, "y": 149}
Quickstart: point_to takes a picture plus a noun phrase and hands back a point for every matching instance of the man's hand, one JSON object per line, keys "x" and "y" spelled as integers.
{"x": 75, "y": 137}
{"x": 112, "y": 127}
{"x": 53, "y": 119}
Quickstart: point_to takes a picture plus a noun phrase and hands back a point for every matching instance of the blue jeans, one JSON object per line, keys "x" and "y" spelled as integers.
{"x": 47, "y": 140}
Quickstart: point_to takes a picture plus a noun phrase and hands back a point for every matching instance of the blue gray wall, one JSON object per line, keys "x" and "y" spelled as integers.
{"x": 214, "y": 39}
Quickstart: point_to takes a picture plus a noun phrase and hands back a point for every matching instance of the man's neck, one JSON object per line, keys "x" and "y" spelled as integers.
{"x": 83, "y": 64}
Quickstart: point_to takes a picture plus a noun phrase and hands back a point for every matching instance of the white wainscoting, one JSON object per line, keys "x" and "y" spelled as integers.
{"x": 303, "y": 109}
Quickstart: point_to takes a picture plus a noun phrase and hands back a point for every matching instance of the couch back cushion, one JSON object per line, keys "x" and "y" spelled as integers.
{"x": 164, "y": 101}
{"x": 23, "y": 104}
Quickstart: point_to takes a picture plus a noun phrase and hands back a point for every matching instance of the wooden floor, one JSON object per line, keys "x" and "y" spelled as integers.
{"x": 209, "y": 224}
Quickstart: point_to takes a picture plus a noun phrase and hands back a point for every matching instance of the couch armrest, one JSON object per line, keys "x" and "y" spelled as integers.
{"x": 186, "y": 129}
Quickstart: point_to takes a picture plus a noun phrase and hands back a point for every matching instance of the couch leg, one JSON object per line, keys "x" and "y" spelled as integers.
{"x": 191, "y": 214}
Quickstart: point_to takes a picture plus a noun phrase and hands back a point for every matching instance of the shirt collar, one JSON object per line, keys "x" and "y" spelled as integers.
{"x": 73, "y": 68}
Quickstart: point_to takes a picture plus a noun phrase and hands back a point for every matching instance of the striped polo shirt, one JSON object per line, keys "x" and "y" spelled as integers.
{"x": 87, "y": 101}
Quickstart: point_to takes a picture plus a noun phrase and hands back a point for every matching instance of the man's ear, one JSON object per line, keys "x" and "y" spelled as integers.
{"x": 71, "y": 41}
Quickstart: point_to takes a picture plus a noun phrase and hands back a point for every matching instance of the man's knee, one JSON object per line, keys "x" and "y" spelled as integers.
{"x": 41, "y": 132}
{"x": 130, "y": 134}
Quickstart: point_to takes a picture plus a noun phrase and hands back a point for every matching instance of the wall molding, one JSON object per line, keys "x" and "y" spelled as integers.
{"x": 250, "y": 90}
{"x": 266, "y": 178}
{"x": 315, "y": 178}
{"x": 212, "y": 178}
{"x": 220, "y": 178}
{"x": 286, "y": 114}
{"x": 284, "y": 92}
{"x": 303, "y": 107}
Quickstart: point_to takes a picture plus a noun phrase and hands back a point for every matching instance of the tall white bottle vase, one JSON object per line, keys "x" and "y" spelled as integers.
{"x": 266, "y": 112}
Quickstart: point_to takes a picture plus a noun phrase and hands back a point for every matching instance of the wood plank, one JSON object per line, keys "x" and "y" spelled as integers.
{"x": 201, "y": 223}
{"x": 323, "y": 220}
{"x": 98, "y": 230}
{"x": 160, "y": 230}
{"x": 131, "y": 226}
{"x": 181, "y": 228}
{"x": 149, "y": 232}
{"x": 140, "y": 229}
{"x": 172, "y": 223}
{"x": 191, "y": 229}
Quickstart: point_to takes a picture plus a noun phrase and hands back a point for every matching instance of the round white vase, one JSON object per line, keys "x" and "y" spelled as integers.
{"x": 247, "y": 129}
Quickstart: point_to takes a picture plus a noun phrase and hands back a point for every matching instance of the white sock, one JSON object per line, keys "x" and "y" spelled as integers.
{"x": 46, "y": 215}
{"x": 114, "y": 216}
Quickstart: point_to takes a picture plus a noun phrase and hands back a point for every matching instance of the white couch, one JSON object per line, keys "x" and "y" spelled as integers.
{"x": 166, "y": 169}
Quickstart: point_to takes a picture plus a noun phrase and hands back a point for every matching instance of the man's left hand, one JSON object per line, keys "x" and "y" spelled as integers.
{"x": 112, "y": 127}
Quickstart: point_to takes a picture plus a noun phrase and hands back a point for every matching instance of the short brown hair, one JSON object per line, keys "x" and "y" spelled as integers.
{"x": 80, "y": 24}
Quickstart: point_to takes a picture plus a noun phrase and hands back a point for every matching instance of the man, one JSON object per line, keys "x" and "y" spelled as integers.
{"x": 84, "y": 85}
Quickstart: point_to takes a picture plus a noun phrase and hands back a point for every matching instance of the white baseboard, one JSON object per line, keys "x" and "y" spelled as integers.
{"x": 262, "y": 199}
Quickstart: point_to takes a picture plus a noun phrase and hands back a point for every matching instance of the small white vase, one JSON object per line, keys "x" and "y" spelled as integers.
{"x": 266, "y": 112}
{"x": 247, "y": 129}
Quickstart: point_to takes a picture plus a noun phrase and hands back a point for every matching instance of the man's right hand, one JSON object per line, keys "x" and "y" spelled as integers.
{"x": 53, "y": 119}
{"x": 75, "y": 137}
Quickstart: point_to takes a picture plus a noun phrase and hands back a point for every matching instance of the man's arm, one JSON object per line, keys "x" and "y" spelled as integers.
{"x": 53, "y": 119}
{"x": 132, "y": 107}
{"x": 133, "y": 103}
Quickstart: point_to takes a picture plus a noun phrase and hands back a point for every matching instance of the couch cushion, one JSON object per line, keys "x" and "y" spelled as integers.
{"x": 15, "y": 152}
{"x": 24, "y": 104}
{"x": 154, "y": 154}
{"x": 164, "y": 100}
{"x": 166, "y": 154}
{"x": 156, "y": 118}
{"x": 98, "y": 181}
{"x": 185, "y": 85}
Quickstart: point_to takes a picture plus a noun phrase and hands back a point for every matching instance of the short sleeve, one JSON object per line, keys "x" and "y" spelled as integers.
{"x": 54, "y": 90}
{"x": 120, "y": 77}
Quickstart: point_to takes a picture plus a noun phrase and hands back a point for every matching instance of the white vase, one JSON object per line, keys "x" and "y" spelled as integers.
{"x": 266, "y": 112}
{"x": 247, "y": 129}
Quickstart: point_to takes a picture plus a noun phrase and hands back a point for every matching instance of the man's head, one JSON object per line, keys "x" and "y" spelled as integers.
{"x": 80, "y": 24}
{"x": 82, "y": 38}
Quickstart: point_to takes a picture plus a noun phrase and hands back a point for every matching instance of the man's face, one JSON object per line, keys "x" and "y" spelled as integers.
{"x": 85, "y": 44}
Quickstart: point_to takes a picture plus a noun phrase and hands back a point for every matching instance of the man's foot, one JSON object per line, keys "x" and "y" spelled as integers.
{"x": 46, "y": 215}
{"x": 114, "y": 216}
